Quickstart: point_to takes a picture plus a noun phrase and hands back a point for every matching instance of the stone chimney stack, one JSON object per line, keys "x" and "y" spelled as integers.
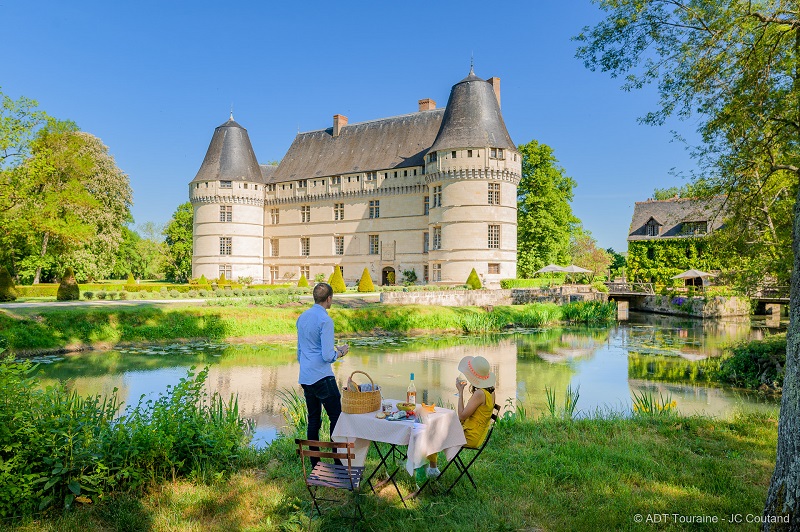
{"x": 339, "y": 121}
{"x": 427, "y": 104}
{"x": 496, "y": 86}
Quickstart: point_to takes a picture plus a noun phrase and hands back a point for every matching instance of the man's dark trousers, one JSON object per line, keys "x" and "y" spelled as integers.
{"x": 323, "y": 393}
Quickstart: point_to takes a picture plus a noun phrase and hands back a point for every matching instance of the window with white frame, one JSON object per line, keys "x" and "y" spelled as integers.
{"x": 226, "y": 270}
{"x": 437, "y": 237}
{"x": 275, "y": 216}
{"x": 305, "y": 213}
{"x": 437, "y": 272}
{"x": 437, "y": 196}
{"x": 338, "y": 245}
{"x": 338, "y": 211}
{"x": 226, "y": 213}
{"x": 375, "y": 208}
{"x": 305, "y": 270}
{"x": 374, "y": 245}
{"x": 273, "y": 273}
{"x": 494, "y": 193}
{"x": 225, "y": 245}
{"x": 494, "y": 237}
{"x": 496, "y": 153}
{"x": 225, "y": 184}
{"x": 274, "y": 250}
{"x": 305, "y": 246}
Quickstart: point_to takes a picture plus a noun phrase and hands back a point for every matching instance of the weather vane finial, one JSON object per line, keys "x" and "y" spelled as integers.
{"x": 472, "y": 63}
{"x": 231, "y": 111}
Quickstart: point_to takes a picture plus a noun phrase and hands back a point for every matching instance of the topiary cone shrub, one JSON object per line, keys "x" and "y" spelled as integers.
{"x": 68, "y": 289}
{"x": 337, "y": 281}
{"x": 302, "y": 282}
{"x": 473, "y": 281}
{"x": 130, "y": 284}
{"x": 7, "y": 290}
{"x": 366, "y": 284}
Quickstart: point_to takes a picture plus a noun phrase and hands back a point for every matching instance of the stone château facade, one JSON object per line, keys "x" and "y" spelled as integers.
{"x": 434, "y": 192}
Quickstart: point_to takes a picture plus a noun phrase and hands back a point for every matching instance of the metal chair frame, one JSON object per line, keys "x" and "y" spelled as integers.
{"x": 334, "y": 476}
{"x": 459, "y": 462}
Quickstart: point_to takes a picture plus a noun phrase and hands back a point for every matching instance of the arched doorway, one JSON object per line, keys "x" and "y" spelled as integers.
{"x": 388, "y": 276}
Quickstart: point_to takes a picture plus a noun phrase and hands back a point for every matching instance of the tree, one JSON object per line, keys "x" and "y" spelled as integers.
{"x": 337, "y": 281}
{"x": 178, "y": 233}
{"x": 473, "y": 281}
{"x": 617, "y": 262}
{"x": 585, "y": 253}
{"x": 544, "y": 214}
{"x": 735, "y": 68}
{"x": 8, "y": 292}
{"x": 69, "y": 204}
{"x": 302, "y": 282}
{"x": 365, "y": 284}
{"x": 68, "y": 289}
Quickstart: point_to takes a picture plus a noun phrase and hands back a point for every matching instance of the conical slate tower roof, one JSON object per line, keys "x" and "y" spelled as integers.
{"x": 230, "y": 156}
{"x": 472, "y": 118}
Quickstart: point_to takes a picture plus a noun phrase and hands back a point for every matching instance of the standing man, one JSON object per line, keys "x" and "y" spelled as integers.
{"x": 316, "y": 353}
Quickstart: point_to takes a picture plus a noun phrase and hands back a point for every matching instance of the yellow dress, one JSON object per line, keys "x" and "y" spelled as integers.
{"x": 476, "y": 425}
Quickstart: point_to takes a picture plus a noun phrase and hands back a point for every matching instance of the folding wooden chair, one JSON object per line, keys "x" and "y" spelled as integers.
{"x": 459, "y": 461}
{"x": 335, "y": 476}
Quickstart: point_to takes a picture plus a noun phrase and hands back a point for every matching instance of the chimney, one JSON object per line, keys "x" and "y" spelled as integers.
{"x": 339, "y": 121}
{"x": 427, "y": 104}
{"x": 496, "y": 86}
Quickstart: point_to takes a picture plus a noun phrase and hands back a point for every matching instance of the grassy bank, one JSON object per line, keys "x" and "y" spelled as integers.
{"x": 73, "y": 327}
{"x": 543, "y": 474}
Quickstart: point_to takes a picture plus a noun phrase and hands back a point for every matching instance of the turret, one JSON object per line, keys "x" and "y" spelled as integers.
{"x": 228, "y": 199}
{"x": 472, "y": 171}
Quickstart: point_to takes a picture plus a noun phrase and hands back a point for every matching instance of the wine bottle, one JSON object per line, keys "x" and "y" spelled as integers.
{"x": 411, "y": 392}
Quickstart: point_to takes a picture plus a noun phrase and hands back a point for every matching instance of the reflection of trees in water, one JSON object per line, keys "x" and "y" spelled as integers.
{"x": 558, "y": 344}
{"x": 691, "y": 338}
{"x": 671, "y": 369}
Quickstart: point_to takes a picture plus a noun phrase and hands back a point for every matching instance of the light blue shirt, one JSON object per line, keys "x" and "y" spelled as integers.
{"x": 315, "y": 349}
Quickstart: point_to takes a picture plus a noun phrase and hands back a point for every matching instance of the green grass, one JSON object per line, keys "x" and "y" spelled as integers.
{"x": 536, "y": 474}
{"x": 54, "y": 328}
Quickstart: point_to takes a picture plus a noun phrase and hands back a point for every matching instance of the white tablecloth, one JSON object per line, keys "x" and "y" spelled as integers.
{"x": 442, "y": 431}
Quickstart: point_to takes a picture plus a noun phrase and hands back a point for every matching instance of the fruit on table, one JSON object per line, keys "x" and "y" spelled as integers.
{"x": 406, "y": 406}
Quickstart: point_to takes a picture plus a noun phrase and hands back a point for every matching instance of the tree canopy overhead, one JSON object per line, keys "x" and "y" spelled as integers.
{"x": 734, "y": 67}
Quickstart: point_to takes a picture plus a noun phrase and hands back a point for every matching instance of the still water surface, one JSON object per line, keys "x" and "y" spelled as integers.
{"x": 658, "y": 354}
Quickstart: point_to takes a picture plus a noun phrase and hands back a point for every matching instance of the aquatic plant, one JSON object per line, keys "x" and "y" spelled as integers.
{"x": 571, "y": 397}
{"x": 647, "y": 404}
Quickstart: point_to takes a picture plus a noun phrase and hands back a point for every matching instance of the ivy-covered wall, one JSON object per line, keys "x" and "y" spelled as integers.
{"x": 657, "y": 261}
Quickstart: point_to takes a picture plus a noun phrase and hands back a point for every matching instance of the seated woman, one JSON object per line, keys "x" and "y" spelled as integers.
{"x": 477, "y": 413}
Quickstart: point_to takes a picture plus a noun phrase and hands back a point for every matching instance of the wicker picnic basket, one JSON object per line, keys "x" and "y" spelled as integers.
{"x": 357, "y": 402}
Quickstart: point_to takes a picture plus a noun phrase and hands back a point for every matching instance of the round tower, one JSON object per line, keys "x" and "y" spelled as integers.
{"x": 228, "y": 199}
{"x": 472, "y": 171}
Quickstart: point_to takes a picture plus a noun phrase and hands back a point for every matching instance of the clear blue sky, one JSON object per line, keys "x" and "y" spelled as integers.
{"x": 153, "y": 80}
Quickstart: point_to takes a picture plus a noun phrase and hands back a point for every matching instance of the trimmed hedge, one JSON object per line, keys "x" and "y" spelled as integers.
{"x": 473, "y": 281}
{"x": 366, "y": 284}
{"x": 337, "y": 281}
{"x": 7, "y": 290}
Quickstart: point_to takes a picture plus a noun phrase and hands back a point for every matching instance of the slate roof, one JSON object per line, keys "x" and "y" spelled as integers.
{"x": 672, "y": 213}
{"x": 230, "y": 156}
{"x": 396, "y": 142}
{"x": 472, "y": 118}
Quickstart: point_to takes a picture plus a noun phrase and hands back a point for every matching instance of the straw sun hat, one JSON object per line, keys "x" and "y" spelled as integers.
{"x": 477, "y": 371}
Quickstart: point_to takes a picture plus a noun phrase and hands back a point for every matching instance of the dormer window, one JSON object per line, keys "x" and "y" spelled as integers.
{"x": 652, "y": 227}
{"x": 303, "y": 183}
{"x": 432, "y": 157}
{"x": 496, "y": 153}
{"x": 225, "y": 184}
{"x": 694, "y": 228}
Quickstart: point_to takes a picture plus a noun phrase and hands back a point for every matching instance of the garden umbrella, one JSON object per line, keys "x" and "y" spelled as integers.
{"x": 575, "y": 269}
{"x": 551, "y": 268}
{"x": 693, "y": 274}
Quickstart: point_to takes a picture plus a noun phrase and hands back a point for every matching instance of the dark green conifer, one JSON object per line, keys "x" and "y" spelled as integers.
{"x": 68, "y": 289}
{"x": 8, "y": 291}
